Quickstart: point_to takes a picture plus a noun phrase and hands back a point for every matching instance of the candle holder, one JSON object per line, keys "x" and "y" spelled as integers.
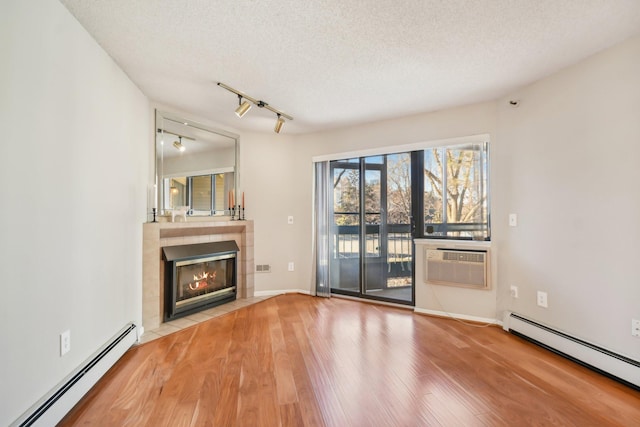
{"x": 233, "y": 213}
{"x": 242, "y": 214}
{"x": 153, "y": 210}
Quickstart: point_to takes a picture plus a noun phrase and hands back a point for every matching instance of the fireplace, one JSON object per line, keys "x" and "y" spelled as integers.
{"x": 198, "y": 277}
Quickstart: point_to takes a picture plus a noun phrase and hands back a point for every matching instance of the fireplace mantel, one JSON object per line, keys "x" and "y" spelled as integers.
{"x": 158, "y": 235}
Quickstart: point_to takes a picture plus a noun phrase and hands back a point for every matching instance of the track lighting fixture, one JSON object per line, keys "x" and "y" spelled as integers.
{"x": 279, "y": 124}
{"x": 246, "y": 105}
{"x": 243, "y": 107}
{"x": 178, "y": 145}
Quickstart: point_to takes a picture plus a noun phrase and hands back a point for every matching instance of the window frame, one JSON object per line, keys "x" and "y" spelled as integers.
{"x": 416, "y": 149}
{"x": 419, "y": 180}
{"x": 227, "y": 174}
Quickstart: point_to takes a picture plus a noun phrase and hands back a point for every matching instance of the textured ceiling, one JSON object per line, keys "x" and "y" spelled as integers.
{"x": 335, "y": 63}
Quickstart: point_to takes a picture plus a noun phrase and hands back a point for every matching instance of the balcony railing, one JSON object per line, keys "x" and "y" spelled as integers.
{"x": 347, "y": 238}
{"x": 346, "y": 242}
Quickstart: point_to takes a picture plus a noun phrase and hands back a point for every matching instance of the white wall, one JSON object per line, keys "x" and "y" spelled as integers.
{"x": 73, "y": 198}
{"x": 568, "y": 166}
{"x": 275, "y": 188}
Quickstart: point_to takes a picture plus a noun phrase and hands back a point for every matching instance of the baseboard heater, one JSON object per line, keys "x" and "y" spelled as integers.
{"x": 49, "y": 410}
{"x": 606, "y": 362}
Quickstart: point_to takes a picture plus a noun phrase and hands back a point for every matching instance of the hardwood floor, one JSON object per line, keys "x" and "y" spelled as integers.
{"x": 296, "y": 360}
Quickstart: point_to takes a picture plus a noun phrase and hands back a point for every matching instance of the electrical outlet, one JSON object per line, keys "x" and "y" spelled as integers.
{"x": 290, "y": 219}
{"x": 290, "y": 265}
{"x": 542, "y": 299}
{"x": 635, "y": 327}
{"x": 513, "y": 220}
{"x": 514, "y": 292}
{"x": 65, "y": 342}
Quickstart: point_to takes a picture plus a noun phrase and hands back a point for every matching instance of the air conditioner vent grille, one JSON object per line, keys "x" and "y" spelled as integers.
{"x": 457, "y": 268}
{"x": 463, "y": 256}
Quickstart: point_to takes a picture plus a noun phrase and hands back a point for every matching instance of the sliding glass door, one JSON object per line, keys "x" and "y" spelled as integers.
{"x": 371, "y": 250}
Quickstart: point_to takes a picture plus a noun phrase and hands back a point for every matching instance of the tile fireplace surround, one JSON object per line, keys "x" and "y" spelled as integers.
{"x": 157, "y": 235}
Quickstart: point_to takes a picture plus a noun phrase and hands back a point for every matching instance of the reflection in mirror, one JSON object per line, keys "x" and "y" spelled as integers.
{"x": 196, "y": 167}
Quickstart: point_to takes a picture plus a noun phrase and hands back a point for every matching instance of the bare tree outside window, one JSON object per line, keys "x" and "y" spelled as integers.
{"x": 455, "y": 190}
{"x": 399, "y": 189}
{"x": 346, "y": 203}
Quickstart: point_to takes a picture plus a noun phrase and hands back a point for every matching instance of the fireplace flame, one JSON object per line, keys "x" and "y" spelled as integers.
{"x": 200, "y": 280}
{"x": 202, "y": 276}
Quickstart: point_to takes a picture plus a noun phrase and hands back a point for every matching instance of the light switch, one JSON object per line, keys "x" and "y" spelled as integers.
{"x": 513, "y": 220}
{"x": 290, "y": 219}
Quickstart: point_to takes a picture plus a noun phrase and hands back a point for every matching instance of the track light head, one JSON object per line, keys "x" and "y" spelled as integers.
{"x": 279, "y": 124}
{"x": 248, "y": 101}
{"x": 178, "y": 145}
{"x": 243, "y": 107}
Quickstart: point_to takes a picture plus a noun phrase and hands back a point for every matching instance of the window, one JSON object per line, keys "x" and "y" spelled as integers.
{"x": 451, "y": 195}
{"x": 201, "y": 193}
{"x": 370, "y": 208}
{"x": 204, "y": 194}
{"x": 346, "y": 208}
{"x": 455, "y": 199}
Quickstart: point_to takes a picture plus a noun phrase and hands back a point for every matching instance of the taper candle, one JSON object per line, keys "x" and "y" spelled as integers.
{"x": 243, "y": 200}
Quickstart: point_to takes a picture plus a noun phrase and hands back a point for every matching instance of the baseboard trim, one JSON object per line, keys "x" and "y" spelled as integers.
{"x": 458, "y": 316}
{"x": 139, "y": 333}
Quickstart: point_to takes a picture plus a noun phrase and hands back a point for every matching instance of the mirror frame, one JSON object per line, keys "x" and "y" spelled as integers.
{"x": 160, "y": 115}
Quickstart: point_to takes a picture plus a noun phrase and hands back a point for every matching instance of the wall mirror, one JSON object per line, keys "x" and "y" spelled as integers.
{"x": 196, "y": 167}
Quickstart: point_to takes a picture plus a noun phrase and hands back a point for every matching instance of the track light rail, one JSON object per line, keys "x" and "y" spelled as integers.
{"x": 160, "y": 130}
{"x": 257, "y": 102}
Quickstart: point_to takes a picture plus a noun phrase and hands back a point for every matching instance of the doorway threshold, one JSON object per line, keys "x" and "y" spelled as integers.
{"x": 373, "y": 301}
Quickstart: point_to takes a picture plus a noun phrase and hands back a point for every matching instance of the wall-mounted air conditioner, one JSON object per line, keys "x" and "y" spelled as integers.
{"x": 457, "y": 267}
